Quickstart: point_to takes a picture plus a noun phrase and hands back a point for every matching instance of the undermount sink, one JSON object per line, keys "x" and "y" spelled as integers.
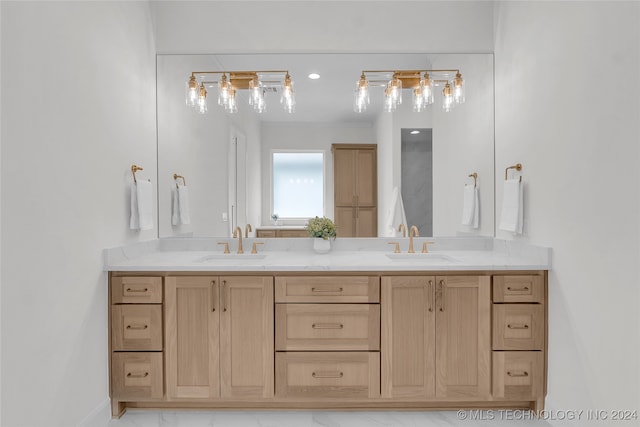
{"x": 428, "y": 257}
{"x": 218, "y": 257}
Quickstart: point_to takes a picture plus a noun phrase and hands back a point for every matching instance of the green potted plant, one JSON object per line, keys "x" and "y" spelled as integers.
{"x": 322, "y": 229}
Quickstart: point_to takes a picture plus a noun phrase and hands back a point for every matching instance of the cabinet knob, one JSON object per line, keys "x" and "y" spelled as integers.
{"x": 327, "y": 326}
{"x": 522, "y": 289}
{"x": 510, "y": 326}
{"x": 137, "y": 290}
{"x": 335, "y": 374}
{"x": 326, "y": 289}
{"x": 518, "y": 374}
{"x": 139, "y": 375}
{"x": 138, "y": 327}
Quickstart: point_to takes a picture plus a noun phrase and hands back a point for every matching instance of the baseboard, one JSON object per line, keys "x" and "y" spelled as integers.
{"x": 98, "y": 417}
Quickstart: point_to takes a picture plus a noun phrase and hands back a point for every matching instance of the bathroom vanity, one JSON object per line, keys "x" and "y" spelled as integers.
{"x": 359, "y": 328}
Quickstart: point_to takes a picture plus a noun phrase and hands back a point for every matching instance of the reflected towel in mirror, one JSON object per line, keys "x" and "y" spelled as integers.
{"x": 396, "y": 215}
{"x": 512, "y": 216}
{"x": 471, "y": 207}
{"x": 180, "y": 205}
{"x": 141, "y": 206}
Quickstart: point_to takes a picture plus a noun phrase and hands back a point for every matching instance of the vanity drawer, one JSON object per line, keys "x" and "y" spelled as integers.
{"x": 518, "y": 327}
{"x": 265, "y": 233}
{"x": 518, "y": 375}
{"x": 357, "y": 289}
{"x": 136, "y": 376}
{"x": 328, "y": 374}
{"x": 327, "y": 327}
{"x": 528, "y": 288}
{"x": 136, "y": 327}
{"x": 292, "y": 233}
{"x": 136, "y": 290}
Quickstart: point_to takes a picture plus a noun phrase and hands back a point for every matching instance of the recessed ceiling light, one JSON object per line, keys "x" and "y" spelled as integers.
{"x": 314, "y": 76}
{"x": 415, "y": 132}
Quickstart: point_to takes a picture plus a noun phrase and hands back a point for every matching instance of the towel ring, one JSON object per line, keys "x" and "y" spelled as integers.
{"x": 134, "y": 169}
{"x": 517, "y": 167}
{"x": 176, "y": 177}
{"x": 475, "y": 178}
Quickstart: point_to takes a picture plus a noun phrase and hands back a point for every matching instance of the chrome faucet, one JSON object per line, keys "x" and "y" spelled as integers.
{"x": 413, "y": 231}
{"x": 238, "y": 233}
{"x": 403, "y": 228}
{"x": 247, "y": 229}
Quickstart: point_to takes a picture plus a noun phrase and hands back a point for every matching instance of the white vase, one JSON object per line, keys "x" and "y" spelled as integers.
{"x": 321, "y": 246}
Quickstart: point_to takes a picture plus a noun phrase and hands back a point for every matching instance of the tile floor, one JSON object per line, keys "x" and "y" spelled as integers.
{"x": 139, "y": 418}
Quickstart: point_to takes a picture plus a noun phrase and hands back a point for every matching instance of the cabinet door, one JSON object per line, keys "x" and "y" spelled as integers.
{"x": 366, "y": 189}
{"x": 408, "y": 336}
{"x": 192, "y": 337}
{"x": 246, "y": 337}
{"x": 463, "y": 337}
{"x": 344, "y": 167}
{"x": 366, "y": 222}
{"x": 345, "y": 219}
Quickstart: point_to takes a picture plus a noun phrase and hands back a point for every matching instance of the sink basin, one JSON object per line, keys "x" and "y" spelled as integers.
{"x": 218, "y": 257}
{"x": 420, "y": 257}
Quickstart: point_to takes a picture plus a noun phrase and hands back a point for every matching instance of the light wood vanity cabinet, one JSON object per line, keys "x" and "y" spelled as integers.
{"x": 281, "y": 232}
{"x": 334, "y": 340}
{"x": 328, "y": 349}
{"x": 520, "y": 337}
{"x": 436, "y": 337}
{"x": 219, "y": 337}
{"x": 135, "y": 344}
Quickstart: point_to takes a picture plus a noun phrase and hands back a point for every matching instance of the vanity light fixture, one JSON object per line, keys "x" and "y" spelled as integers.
{"x": 314, "y": 76}
{"x": 421, "y": 82}
{"x": 228, "y": 83}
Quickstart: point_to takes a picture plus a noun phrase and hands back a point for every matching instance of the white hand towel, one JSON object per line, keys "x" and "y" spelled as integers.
{"x": 397, "y": 214}
{"x": 175, "y": 210}
{"x": 183, "y": 204}
{"x": 145, "y": 204}
{"x": 511, "y": 218}
{"x": 134, "y": 221}
{"x": 471, "y": 207}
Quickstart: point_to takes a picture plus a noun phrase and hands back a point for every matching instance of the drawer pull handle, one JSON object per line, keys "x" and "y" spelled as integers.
{"x": 137, "y": 290}
{"x": 326, "y": 290}
{"x": 510, "y": 326}
{"x": 137, "y": 326}
{"x": 518, "y": 374}
{"x": 327, "y": 326}
{"x": 130, "y": 375}
{"x": 524, "y": 288}
{"x": 327, "y": 375}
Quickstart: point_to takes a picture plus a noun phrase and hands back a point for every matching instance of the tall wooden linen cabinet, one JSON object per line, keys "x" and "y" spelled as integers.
{"x": 355, "y": 183}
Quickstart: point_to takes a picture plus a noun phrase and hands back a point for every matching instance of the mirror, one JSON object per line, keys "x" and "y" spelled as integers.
{"x": 226, "y": 158}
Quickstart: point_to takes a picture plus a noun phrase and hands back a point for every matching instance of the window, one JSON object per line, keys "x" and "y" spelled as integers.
{"x": 298, "y": 185}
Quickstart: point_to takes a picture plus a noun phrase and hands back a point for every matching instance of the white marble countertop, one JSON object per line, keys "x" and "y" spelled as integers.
{"x": 204, "y": 254}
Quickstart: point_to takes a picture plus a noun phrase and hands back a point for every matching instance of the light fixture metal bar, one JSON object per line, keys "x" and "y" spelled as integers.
{"x": 411, "y": 71}
{"x": 241, "y": 72}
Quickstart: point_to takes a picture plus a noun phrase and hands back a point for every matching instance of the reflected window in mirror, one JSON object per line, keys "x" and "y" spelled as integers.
{"x": 297, "y": 185}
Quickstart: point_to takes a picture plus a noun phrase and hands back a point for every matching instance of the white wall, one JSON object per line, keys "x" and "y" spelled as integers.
{"x": 567, "y": 108}
{"x": 78, "y": 108}
{"x": 322, "y": 26}
{"x": 308, "y": 136}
